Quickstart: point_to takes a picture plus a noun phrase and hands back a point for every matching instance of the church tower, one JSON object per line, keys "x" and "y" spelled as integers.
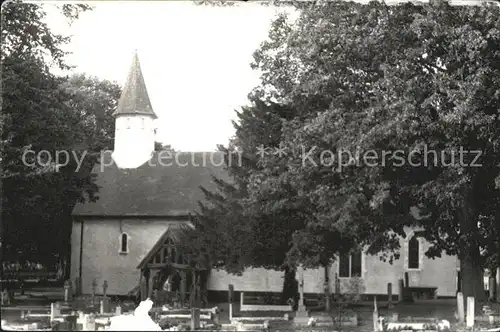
{"x": 134, "y": 122}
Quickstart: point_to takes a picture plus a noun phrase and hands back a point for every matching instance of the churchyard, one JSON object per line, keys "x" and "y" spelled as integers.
{"x": 350, "y": 312}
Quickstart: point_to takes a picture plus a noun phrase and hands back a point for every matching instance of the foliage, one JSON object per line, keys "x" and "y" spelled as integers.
{"x": 234, "y": 234}
{"x": 338, "y": 66}
{"x": 57, "y": 115}
{"x": 355, "y": 290}
{"x": 361, "y": 79}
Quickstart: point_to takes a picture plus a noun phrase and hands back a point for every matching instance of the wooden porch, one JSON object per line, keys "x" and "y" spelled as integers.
{"x": 169, "y": 274}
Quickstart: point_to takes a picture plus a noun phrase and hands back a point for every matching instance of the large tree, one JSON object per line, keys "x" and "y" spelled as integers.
{"x": 388, "y": 78}
{"x": 69, "y": 117}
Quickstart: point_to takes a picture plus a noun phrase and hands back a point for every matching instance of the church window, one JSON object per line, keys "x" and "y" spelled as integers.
{"x": 350, "y": 265}
{"x": 124, "y": 239}
{"x": 413, "y": 253}
{"x": 142, "y": 123}
{"x": 128, "y": 123}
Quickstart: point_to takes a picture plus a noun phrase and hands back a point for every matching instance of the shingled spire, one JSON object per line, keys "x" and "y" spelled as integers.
{"x": 134, "y": 98}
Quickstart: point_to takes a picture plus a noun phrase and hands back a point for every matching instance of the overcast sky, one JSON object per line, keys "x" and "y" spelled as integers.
{"x": 195, "y": 60}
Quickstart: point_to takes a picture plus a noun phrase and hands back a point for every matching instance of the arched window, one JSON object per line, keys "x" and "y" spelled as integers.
{"x": 128, "y": 122}
{"x": 124, "y": 238}
{"x": 142, "y": 123}
{"x": 413, "y": 253}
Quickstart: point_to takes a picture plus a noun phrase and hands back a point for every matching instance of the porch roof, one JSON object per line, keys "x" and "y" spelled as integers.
{"x": 176, "y": 232}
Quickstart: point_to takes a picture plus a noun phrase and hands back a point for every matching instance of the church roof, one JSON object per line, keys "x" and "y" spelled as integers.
{"x": 135, "y": 98}
{"x": 152, "y": 189}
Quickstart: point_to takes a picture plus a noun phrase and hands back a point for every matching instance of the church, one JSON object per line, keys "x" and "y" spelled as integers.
{"x": 145, "y": 203}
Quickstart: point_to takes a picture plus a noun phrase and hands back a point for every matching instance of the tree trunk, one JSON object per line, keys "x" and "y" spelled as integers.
{"x": 472, "y": 280}
{"x": 290, "y": 287}
{"x": 472, "y": 271}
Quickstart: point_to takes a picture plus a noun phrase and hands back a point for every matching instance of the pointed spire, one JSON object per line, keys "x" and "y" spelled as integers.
{"x": 135, "y": 98}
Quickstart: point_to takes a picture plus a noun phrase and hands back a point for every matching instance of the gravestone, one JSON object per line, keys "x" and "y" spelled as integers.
{"x": 460, "y": 308}
{"x": 94, "y": 289}
{"x": 401, "y": 290}
{"x": 67, "y": 291}
{"x": 195, "y": 318}
{"x": 5, "y": 297}
{"x": 230, "y": 295}
{"x": 89, "y": 323}
{"x": 389, "y": 296}
{"x": 498, "y": 284}
{"x": 118, "y": 310}
{"x": 301, "y": 316}
{"x": 327, "y": 295}
{"x": 55, "y": 310}
{"x": 77, "y": 288}
{"x": 492, "y": 287}
{"x": 104, "y": 288}
{"x": 80, "y": 321}
{"x": 375, "y": 315}
{"x": 216, "y": 317}
{"x": 470, "y": 311}
{"x": 104, "y": 305}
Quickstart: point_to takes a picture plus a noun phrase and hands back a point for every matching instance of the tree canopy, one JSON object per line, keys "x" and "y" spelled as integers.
{"x": 384, "y": 98}
{"x": 45, "y": 116}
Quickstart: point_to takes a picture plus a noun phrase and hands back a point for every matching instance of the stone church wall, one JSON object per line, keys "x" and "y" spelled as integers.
{"x": 101, "y": 261}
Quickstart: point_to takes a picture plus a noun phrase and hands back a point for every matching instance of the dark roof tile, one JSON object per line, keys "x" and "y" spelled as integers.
{"x": 153, "y": 189}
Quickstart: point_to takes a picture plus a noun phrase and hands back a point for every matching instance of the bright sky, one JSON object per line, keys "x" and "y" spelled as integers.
{"x": 195, "y": 60}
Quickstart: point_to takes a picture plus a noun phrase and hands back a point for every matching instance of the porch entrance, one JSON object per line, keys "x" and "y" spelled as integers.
{"x": 169, "y": 275}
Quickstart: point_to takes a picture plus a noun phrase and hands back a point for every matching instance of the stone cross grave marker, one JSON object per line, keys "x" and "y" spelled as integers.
{"x": 301, "y": 310}
{"x": 301, "y": 288}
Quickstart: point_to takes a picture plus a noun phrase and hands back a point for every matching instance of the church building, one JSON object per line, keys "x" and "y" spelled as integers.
{"x": 145, "y": 203}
